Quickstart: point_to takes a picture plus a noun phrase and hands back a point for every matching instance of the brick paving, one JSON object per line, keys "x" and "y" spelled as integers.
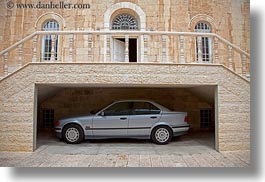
{"x": 187, "y": 151}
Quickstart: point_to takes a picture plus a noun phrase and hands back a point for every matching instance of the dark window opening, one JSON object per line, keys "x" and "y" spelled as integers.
{"x": 206, "y": 118}
{"x": 133, "y": 50}
{"x": 48, "y": 118}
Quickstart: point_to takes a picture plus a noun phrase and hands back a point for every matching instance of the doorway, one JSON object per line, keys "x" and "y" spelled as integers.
{"x": 119, "y": 50}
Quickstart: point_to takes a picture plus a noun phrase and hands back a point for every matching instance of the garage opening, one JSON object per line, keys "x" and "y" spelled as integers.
{"x": 62, "y": 101}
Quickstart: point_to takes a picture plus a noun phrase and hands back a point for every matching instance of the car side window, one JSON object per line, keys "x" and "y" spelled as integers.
{"x": 143, "y": 108}
{"x": 118, "y": 109}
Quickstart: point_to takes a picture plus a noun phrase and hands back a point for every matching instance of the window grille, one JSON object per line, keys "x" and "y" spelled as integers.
{"x": 48, "y": 118}
{"x": 206, "y": 47}
{"x": 125, "y": 22}
{"x": 47, "y": 41}
{"x": 203, "y": 28}
{"x": 206, "y": 118}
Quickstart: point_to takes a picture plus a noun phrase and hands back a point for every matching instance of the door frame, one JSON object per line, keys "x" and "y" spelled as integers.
{"x": 137, "y": 37}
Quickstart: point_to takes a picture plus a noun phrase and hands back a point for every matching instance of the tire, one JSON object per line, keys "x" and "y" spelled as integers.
{"x": 73, "y": 134}
{"x": 161, "y": 135}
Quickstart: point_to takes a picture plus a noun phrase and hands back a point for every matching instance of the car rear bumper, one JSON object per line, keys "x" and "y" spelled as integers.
{"x": 180, "y": 130}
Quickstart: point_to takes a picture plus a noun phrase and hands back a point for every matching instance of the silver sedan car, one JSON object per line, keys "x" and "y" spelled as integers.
{"x": 125, "y": 119}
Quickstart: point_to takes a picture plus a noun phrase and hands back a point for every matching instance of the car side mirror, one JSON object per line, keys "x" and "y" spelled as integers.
{"x": 92, "y": 112}
{"x": 102, "y": 114}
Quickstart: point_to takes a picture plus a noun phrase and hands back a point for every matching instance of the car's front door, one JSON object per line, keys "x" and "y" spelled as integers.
{"x": 113, "y": 121}
{"x": 144, "y": 115}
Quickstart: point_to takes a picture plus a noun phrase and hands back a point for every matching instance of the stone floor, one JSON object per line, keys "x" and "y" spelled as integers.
{"x": 192, "y": 150}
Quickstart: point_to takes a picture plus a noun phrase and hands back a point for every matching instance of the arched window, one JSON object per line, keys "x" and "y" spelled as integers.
{"x": 47, "y": 41}
{"x": 203, "y": 44}
{"x": 203, "y": 28}
{"x": 125, "y": 22}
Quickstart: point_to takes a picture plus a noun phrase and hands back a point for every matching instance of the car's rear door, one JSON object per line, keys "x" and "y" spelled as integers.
{"x": 113, "y": 121}
{"x": 143, "y": 116}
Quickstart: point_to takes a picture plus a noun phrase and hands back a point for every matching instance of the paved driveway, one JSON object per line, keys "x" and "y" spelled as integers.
{"x": 193, "y": 150}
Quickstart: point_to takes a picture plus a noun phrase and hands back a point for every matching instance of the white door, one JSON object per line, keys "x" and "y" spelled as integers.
{"x": 119, "y": 51}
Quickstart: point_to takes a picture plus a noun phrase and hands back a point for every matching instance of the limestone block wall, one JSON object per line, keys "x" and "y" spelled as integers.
{"x": 18, "y": 111}
{"x": 229, "y": 19}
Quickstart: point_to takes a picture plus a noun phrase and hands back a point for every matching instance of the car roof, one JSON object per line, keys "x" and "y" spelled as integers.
{"x": 142, "y": 100}
{"x": 134, "y": 100}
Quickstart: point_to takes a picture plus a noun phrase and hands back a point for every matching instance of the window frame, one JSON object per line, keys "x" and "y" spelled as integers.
{"x": 119, "y": 21}
{"x": 48, "y": 117}
{"x": 206, "y": 124}
{"x": 114, "y": 104}
{"x": 54, "y": 26}
{"x": 206, "y": 42}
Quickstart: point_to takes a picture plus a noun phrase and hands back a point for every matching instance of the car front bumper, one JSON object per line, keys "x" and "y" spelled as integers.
{"x": 58, "y": 132}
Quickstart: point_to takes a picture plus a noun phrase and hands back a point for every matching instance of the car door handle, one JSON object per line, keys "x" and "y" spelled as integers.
{"x": 123, "y": 118}
{"x": 153, "y": 117}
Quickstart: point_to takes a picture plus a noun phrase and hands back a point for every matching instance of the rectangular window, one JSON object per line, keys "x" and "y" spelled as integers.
{"x": 46, "y": 52}
{"x": 205, "y": 48}
{"x": 48, "y": 118}
{"x": 206, "y": 118}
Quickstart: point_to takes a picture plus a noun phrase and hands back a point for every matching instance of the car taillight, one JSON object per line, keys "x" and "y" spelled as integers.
{"x": 186, "y": 119}
{"x": 57, "y": 123}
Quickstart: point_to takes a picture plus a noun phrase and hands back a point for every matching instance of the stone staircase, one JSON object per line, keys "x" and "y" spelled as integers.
{"x": 95, "y": 47}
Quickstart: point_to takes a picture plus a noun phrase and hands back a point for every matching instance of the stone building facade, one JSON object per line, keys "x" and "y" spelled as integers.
{"x": 189, "y": 55}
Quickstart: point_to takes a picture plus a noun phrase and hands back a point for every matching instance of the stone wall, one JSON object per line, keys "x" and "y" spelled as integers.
{"x": 229, "y": 19}
{"x": 18, "y": 111}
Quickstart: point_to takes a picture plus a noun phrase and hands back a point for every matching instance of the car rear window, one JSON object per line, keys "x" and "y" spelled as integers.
{"x": 143, "y": 108}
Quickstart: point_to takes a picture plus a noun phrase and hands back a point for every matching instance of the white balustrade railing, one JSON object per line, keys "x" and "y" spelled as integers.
{"x": 152, "y": 46}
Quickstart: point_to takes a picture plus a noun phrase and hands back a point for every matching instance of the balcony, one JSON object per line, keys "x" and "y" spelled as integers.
{"x": 125, "y": 47}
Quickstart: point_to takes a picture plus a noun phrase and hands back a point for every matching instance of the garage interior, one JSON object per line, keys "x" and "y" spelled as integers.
{"x": 62, "y": 101}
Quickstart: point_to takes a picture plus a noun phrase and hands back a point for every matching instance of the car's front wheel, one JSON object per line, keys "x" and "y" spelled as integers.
{"x": 73, "y": 134}
{"x": 161, "y": 135}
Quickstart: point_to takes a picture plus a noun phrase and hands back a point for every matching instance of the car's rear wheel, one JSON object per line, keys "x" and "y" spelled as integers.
{"x": 73, "y": 134}
{"x": 161, "y": 135}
